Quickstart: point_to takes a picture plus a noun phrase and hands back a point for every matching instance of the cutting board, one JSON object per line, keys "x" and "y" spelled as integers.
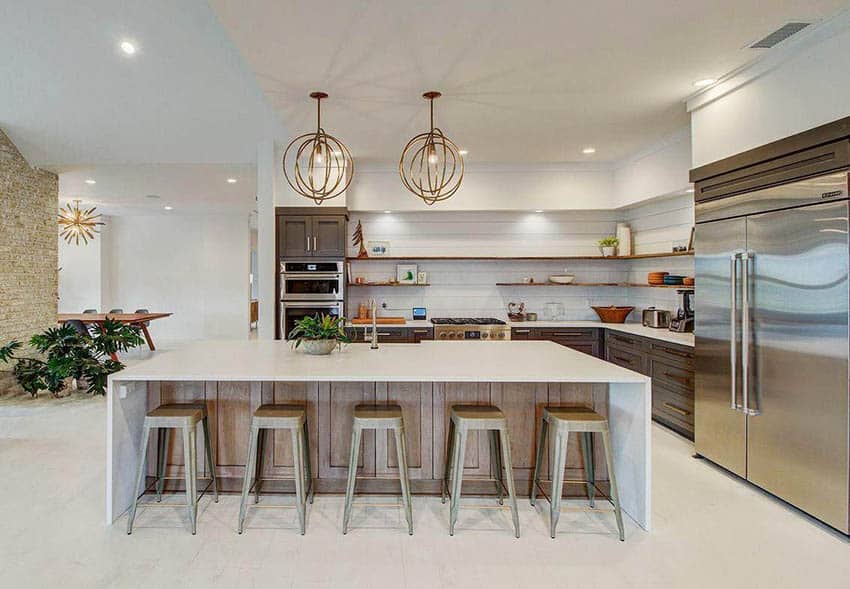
{"x": 381, "y": 321}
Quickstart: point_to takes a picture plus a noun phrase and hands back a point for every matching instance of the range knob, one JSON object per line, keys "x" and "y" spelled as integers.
{"x": 443, "y": 336}
{"x": 500, "y": 335}
{"x": 485, "y": 335}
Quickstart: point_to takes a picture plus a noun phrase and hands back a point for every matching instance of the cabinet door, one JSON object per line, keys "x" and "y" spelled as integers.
{"x": 328, "y": 236}
{"x": 294, "y": 236}
{"x": 416, "y": 400}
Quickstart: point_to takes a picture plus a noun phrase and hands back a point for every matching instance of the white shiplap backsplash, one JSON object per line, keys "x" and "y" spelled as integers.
{"x": 468, "y": 288}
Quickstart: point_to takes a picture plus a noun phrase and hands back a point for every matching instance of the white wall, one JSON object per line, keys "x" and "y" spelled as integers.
{"x": 659, "y": 170}
{"x": 195, "y": 266}
{"x": 80, "y": 274}
{"x": 804, "y": 85}
{"x": 468, "y": 288}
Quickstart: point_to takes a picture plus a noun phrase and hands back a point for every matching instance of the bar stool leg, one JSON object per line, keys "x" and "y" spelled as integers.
{"x": 559, "y": 462}
{"x": 352, "y": 476}
{"x": 505, "y": 442}
{"x": 615, "y": 497}
{"x": 161, "y": 459}
{"x": 190, "y": 470}
{"x": 261, "y": 447}
{"x": 210, "y": 462}
{"x": 307, "y": 467}
{"x": 458, "y": 451}
{"x": 538, "y": 459}
{"x": 401, "y": 450}
{"x": 496, "y": 462}
{"x": 298, "y": 457}
{"x": 249, "y": 468}
{"x": 450, "y": 440}
{"x": 140, "y": 477}
{"x": 586, "y": 439}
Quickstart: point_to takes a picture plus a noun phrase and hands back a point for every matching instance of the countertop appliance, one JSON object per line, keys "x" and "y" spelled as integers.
{"x": 470, "y": 328}
{"x": 683, "y": 322}
{"x": 308, "y": 280}
{"x": 652, "y": 317}
{"x": 772, "y": 334}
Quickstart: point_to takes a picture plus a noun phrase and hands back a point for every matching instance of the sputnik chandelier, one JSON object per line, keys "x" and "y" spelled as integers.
{"x": 318, "y": 165}
{"x": 431, "y": 166}
{"x": 78, "y": 224}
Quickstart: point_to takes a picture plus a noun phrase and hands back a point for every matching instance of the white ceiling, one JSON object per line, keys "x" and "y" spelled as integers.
{"x": 188, "y": 188}
{"x": 523, "y": 81}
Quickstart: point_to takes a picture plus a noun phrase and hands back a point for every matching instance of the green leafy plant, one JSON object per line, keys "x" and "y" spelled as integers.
{"x": 67, "y": 353}
{"x": 324, "y": 327}
{"x": 609, "y": 241}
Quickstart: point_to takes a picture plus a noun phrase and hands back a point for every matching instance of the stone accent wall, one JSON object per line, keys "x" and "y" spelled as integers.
{"x": 29, "y": 199}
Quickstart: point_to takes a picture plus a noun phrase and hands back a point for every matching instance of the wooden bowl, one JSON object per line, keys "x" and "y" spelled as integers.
{"x": 688, "y": 281}
{"x": 613, "y": 314}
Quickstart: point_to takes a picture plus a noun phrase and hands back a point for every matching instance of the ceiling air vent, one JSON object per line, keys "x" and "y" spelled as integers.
{"x": 779, "y": 35}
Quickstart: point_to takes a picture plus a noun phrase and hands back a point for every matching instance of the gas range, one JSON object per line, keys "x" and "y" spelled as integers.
{"x": 470, "y": 328}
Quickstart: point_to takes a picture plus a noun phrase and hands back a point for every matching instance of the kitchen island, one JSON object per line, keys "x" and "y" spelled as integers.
{"x": 235, "y": 377}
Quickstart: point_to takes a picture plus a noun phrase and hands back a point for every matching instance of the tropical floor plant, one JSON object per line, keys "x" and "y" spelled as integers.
{"x": 64, "y": 353}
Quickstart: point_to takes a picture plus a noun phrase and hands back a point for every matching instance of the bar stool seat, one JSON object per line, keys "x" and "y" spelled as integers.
{"x": 378, "y": 417}
{"x": 586, "y": 422}
{"x": 279, "y": 416}
{"x": 489, "y": 418}
{"x": 185, "y": 417}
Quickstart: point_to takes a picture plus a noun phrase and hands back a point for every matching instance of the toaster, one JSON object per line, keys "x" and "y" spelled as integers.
{"x": 653, "y": 317}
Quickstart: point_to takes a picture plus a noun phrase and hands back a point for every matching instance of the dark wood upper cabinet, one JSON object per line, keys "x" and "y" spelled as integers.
{"x": 304, "y": 234}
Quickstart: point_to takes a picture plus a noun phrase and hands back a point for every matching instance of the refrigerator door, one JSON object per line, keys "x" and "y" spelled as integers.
{"x": 798, "y": 442}
{"x": 720, "y": 430}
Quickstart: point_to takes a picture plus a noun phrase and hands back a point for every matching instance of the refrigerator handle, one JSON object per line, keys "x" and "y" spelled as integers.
{"x": 733, "y": 319}
{"x": 745, "y": 332}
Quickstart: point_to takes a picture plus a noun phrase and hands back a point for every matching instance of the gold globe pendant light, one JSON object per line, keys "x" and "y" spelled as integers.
{"x": 431, "y": 166}
{"x": 318, "y": 165}
{"x": 78, "y": 224}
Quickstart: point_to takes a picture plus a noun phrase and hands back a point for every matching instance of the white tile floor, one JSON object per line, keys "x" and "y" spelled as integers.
{"x": 710, "y": 530}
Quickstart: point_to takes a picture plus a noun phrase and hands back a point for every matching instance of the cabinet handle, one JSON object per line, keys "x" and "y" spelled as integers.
{"x": 315, "y": 243}
{"x": 677, "y": 353}
{"x": 522, "y": 331}
{"x": 384, "y": 333}
{"x": 675, "y": 409}
{"x": 684, "y": 380}
{"x": 568, "y": 334}
{"x": 308, "y": 243}
{"x": 623, "y": 339}
{"x": 421, "y": 331}
{"x": 621, "y": 359}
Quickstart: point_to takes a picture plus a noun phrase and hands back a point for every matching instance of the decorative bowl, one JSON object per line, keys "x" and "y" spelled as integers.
{"x": 318, "y": 347}
{"x": 561, "y": 278}
{"x": 613, "y": 314}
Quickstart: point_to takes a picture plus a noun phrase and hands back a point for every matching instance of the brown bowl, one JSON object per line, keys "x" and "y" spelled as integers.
{"x": 613, "y": 314}
{"x": 688, "y": 281}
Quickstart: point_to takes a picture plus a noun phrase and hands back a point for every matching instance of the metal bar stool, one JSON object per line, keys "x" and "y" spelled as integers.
{"x": 378, "y": 417}
{"x": 586, "y": 422}
{"x": 183, "y": 416}
{"x": 466, "y": 418}
{"x": 271, "y": 417}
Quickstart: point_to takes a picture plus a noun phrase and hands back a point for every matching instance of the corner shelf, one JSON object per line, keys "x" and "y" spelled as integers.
{"x": 520, "y": 258}
{"x": 615, "y": 284}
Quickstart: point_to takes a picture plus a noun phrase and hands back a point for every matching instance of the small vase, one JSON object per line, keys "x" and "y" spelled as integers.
{"x": 318, "y": 347}
{"x": 608, "y": 251}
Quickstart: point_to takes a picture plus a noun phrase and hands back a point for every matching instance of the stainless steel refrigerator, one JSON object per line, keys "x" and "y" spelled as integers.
{"x": 772, "y": 397}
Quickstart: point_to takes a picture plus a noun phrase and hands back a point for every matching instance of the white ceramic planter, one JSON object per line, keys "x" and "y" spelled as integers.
{"x": 318, "y": 347}
{"x": 608, "y": 251}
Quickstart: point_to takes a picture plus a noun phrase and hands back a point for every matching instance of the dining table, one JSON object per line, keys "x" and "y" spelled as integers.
{"x": 140, "y": 320}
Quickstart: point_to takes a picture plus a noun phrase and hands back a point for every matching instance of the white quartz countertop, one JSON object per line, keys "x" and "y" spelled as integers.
{"x": 665, "y": 335}
{"x": 477, "y": 361}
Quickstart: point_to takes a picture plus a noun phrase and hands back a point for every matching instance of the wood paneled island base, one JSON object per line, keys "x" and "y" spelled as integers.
{"x": 359, "y": 375}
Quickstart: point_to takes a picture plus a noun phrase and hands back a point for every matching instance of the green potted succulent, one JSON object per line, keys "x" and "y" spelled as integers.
{"x": 319, "y": 335}
{"x": 608, "y": 245}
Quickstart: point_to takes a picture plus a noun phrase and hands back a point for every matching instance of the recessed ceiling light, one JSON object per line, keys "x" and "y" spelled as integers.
{"x": 168, "y": 208}
{"x": 588, "y": 150}
{"x": 152, "y": 196}
{"x": 90, "y": 181}
{"x": 704, "y": 82}
{"x": 387, "y": 212}
{"x": 128, "y": 48}
{"x": 231, "y": 180}
{"x": 538, "y": 211}
{"x": 463, "y": 151}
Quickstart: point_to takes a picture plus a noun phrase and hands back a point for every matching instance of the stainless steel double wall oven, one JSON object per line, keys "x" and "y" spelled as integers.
{"x": 310, "y": 287}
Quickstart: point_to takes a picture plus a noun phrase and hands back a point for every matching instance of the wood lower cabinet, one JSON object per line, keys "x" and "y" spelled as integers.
{"x": 671, "y": 368}
{"x": 587, "y": 340}
{"x": 391, "y": 335}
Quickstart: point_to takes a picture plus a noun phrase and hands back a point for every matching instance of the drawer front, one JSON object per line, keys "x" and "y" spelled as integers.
{"x": 389, "y": 336}
{"x": 671, "y": 354}
{"x": 418, "y": 334}
{"x": 520, "y": 333}
{"x": 673, "y": 377}
{"x": 624, "y": 341}
{"x": 566, "y": 333}
{"x": 673, "y": 409}
{"x": 631, "y": 359}
{"x": 586, "y": 348}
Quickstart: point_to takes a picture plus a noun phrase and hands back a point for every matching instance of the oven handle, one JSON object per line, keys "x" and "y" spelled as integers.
{"x": 319, "y": 304}
{"x": 316, "y": 275}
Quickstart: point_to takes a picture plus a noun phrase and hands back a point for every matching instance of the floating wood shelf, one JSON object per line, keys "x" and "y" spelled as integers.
{"x": 521, "y": 258}
{"x": 617, "y": 284}
{"x": 393, "y": 284}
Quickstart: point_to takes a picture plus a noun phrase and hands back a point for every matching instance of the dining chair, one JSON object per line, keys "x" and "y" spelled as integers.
{"x": 145, "y": 323}
{"x": 89, "y": 311}
{"x": 117, "y": 311}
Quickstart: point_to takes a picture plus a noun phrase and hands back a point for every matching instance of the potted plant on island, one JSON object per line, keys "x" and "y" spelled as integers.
{"x": 608, "y": 245}
{"x": 319, "y": 334}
